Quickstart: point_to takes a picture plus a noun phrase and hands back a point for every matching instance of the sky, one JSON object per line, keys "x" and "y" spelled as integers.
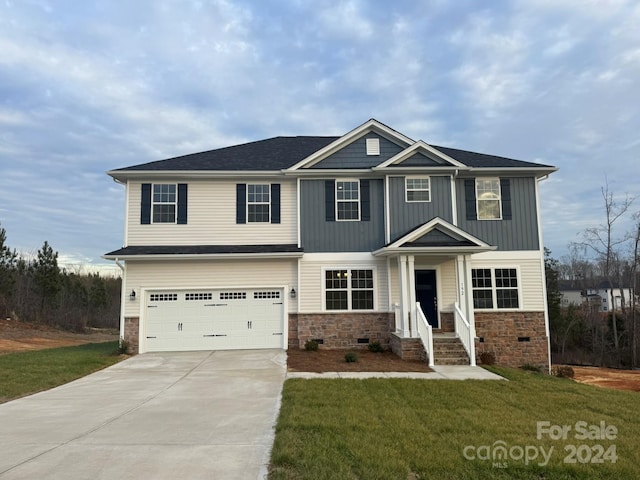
{"x": 90, "y": 86}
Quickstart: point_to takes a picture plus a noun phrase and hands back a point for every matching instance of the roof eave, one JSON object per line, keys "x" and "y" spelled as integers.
{"x": 205, "y": 256}
{"x": 124, "y": 175}
{"x": 391, "y": 251}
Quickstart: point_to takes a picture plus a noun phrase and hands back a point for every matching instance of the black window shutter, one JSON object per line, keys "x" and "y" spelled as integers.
{"x": 241, "y": 203}
{"x": 145, "y": 206}
{"x": 275, "y": 203}
{"x": 365, "y": 201}
{"x": 182, "y": 204}
{"x": 505, "y": 190}
{"x": 470, "y": 198}
{"x": 330, "y": 200}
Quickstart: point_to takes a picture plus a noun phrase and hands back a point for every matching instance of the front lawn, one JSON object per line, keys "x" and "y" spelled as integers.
{"x": 24, "y": 373}
{"x": 417, "y": 429}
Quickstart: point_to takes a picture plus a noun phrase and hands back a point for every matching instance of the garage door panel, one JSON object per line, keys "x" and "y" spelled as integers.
{"x": 214, "y": 319}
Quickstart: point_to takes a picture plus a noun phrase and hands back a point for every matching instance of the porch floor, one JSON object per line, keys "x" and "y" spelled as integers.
{"x": 440, "y": 372}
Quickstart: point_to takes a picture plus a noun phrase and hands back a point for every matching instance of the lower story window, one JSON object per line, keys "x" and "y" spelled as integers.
{"x": 495, "y": 288}
{"x": 349, "y": 289}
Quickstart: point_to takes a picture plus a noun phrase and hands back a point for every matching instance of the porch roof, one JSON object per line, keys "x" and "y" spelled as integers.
{"x": 435, "y": 237}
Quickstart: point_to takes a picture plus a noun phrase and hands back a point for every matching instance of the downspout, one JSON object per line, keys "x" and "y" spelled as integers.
{"x": 542, "y": 270}
{"x": 122, "y": 299}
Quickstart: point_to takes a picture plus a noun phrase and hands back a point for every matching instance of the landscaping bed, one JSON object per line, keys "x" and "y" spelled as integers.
{"x": 334, "y": 361}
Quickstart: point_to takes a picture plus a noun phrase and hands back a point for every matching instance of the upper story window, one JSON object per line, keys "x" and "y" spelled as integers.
{"x": 495, "y": 288}
{"x": 417, "y": 189}
{"x": 165, "y": 202}
{"x": 488, "y": 198}
{"x": 348, "y": 200}
{"x": 259, "y": 203}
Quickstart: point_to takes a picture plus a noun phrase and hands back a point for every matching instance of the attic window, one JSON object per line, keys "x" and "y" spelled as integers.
{"x": 373, "y": 146}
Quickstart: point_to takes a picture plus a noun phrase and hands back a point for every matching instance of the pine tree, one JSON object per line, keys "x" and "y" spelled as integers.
{"x": 46, "y": 275}
{"x": 7, "y": 271}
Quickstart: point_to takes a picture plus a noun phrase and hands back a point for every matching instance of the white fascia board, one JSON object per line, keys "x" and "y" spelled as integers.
{"x": 208, "y": 256}
{"x": 438, "y": 251}
{"x": 338, "y": 257}
{"x": 510, "y": 255}
{"x": 416, "y": 147}
{"x": 173, "y": 174}
{"x": 371, "y": 125}
{"x": 509, "y": 171}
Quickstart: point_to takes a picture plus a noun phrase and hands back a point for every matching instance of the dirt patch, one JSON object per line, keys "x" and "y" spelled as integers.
{"x": 16, "y": 336}
{"x": 333, "y": 361}
{"x": 608, "y": 377}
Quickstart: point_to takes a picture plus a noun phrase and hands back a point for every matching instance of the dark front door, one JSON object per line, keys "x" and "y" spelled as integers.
{"x": 426, "y": 294}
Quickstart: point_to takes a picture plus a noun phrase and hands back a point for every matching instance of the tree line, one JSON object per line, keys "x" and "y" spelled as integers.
{"x": 605, "y": 256}
{"x": 36, "y": 289}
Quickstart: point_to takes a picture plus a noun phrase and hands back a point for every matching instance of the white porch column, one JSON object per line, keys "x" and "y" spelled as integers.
{"x": 411, "y": 273}
{"x": 404, "y": 296}
{"x": 469, "y": 308}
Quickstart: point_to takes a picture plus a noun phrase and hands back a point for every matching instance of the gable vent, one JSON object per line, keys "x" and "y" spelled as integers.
{"x": 373, "y": 146}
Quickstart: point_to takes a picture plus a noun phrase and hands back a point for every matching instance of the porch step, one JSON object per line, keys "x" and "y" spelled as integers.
{"x": 448, "y": 350}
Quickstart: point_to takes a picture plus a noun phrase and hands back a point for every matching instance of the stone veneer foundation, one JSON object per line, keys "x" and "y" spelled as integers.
{"x": 132, "y": 334}
{"x": 515, "y": 338}
{"x": 408, "y": 348}
{"x": 341, "y": 330}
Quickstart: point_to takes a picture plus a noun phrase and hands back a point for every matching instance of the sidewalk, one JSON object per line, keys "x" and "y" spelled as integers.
{"x": 441, "y": 372}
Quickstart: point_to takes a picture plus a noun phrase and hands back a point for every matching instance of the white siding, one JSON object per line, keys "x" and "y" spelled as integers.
{"x": 530, "y": 273}
{"x": 203, "y": 273}
{"x": 211, "y": 217}
{"x": 312, "y": 280}
{"x": 447, "y": 292}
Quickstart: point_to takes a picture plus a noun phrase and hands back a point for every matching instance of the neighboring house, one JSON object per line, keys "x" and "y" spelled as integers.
{"x": 605, "y": 291}
{"x": 370, "y": 236}
{"x": 571, "y": 296}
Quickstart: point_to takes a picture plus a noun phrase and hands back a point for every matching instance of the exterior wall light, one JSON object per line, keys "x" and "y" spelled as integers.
{"x": 292, "y": 293}
{"x": 132, "y": 295}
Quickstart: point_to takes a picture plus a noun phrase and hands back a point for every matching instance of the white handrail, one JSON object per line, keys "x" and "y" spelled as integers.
{"x": 426, "y": 333}
{"x": 463, "y": 330}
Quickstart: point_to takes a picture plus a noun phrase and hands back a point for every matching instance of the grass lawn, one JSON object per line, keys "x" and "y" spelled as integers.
{"x": 416, "y": 429}
{"x": 30, "y": 372}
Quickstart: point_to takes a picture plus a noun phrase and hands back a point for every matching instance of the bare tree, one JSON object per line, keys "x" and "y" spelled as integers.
{"x": 602, "y": 241}
{"x": 634, "y": 292}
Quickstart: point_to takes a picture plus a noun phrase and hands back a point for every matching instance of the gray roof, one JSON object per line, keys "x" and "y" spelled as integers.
{"x": 279, "y": 153}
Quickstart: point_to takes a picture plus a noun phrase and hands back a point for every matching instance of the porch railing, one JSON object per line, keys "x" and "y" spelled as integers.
{"x": 426, "y": 333}
{"x": 463, "y": 330}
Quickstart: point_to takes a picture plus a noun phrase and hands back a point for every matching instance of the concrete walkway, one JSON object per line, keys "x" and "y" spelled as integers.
{"x": 186, "y": 415}
{"x": 441, "y": 372}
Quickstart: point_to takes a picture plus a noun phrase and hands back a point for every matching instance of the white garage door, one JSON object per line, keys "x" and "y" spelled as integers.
{"x": 214, "y": 319}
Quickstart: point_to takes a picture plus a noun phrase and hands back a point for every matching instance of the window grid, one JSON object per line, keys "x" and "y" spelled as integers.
{"x": 488, "y": 199}
{"x": 198, "y": 296}
{"x": 265, "y": 295}
{"x": 348, "y": 200}
{"x": 349, "y": 289}
{"x": 258, "y": 203}
{"x": 233, "y": 295}
{"x": 163, "y": 297}
{"x": 165, "y": 200}
{"x": 495, "y": 288}
{"x": 418, "y": 189}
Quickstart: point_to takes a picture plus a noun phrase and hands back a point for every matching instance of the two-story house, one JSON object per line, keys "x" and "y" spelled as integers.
{"x": 371, "y": 236}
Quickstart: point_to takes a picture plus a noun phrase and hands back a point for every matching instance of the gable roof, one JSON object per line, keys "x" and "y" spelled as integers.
{"x": 294, "y": 154}
{"x": 435, "y": 236}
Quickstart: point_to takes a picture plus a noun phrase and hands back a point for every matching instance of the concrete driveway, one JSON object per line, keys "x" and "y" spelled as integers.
{"x": 186, "y": 415}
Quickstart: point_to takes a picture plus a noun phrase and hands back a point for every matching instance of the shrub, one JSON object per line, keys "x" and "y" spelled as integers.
{"x": 487, "y": 358}
{"x": 375, "y": 347}
{"x": 531, "y": 368}
{"x": 123, "y": 347}
{"x": 350, "y": 357}
{"x": 562, "y": 371}
{"x": 311, "y": 346}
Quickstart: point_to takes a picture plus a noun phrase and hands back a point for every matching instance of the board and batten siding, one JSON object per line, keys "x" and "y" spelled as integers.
{"x": 355, "y": 155}
{"x": 211, "y": 217}
{"x": 311, "y": 298}
{"x": 519, "y": 233}
{"x": 320, "y": 235}
{"x": 405, "y": 216}
{"x": 194, "y": 274}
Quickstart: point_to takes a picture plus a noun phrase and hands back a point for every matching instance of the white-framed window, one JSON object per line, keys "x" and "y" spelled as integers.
{"x": 347, "y": 200}
{"x": 495, "y": 288}
{"x": 488, "y": 199}
{"x": 349, "y": 289}
{"x": 258, "y": 203}
{"x": 164, "y": 203}
{"x": 417, "y": 189}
